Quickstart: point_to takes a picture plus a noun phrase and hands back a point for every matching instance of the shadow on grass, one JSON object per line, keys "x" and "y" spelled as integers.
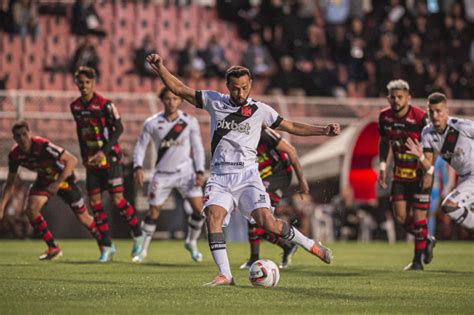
{"x": 79, "y": 262}
{"x": 310, "y": 293}
{"x": 451, "y": 272}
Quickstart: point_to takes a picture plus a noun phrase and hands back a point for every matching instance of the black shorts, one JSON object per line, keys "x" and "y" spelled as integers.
{"x": 98, "y": 180}
{"x": 69, "y": 192}
{"x": 277, "y": 186}
{"x": 411, "y": 192}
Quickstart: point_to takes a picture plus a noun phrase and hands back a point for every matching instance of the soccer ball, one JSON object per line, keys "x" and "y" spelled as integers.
{"x": 264, "y": 273}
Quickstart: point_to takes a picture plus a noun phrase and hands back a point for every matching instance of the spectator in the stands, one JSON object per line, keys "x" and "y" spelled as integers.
{"x": 25, "y": 18}
{"x": 85, "y": 19}
{"x": 191, "y": 62}
{"x": 141, "y": 66}
{"x": 257, "y": 58}
{"x": 323, "y": 78}
{"x": 314, "y": 44}
{"x": 85, "y": 55}
{"x": 288, "y": 80}
{"x": 215, "y": 59}
{"x": 385, "y": 62}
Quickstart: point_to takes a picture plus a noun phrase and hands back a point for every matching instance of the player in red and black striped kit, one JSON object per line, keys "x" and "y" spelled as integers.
{"x": 54, "y": 167}
{"x": 98, "y": 128}
{"x": 275, "y": 157}
{"x": 411, "y": 188}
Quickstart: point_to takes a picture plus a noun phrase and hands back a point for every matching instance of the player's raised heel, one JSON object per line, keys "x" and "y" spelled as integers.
{"x": 287, "y": 254}
{"x": 220, "y": 280}
{"x": 428, "y": 255}
{"x": 195, "y": 253}
{"x": 107, "y": 253}
{"x": 138, "y": 243}
{"x": 52, "y": 253}
{"x": 413, "y": 266}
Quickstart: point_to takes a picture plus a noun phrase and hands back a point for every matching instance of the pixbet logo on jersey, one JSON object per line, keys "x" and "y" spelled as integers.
{"x": 232, "y": 125}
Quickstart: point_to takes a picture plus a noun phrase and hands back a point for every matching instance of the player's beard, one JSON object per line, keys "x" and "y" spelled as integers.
{"x": 240, "y": 103}
{"x": 396, "y": 111}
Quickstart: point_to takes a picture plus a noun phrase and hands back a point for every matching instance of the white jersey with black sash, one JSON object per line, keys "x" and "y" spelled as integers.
{"x": 174, "y": 140}
{"x": 235, "y": 130}
{"x": 455, "y": 144}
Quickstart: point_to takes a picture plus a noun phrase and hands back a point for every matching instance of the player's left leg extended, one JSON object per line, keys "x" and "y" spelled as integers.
{"x": 195, "y": 223}
{"x": 265, "y": 219}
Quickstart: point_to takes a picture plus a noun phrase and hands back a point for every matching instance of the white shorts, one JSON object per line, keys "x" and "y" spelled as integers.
{"x": 463, "y": 194}
{"x": 161, "y": 186}
{"x": 243, "y": 191}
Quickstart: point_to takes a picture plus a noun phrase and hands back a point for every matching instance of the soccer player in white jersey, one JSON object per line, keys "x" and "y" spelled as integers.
{"x": 174, "y": 134}
{"x": 236, "y": 122}
{"x": 453, "y": 139}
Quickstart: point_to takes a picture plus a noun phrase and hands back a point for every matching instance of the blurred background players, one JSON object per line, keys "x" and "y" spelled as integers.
{"x": 453, "y": 140}
{"x": 99, "y": 127}
{"x": 410, "y": 187}
{"x": 275, "y": 157}
{"x": 55, "y": 167}
{"x": 174, "y": 134}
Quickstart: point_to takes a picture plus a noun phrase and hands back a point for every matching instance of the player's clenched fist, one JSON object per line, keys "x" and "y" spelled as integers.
{"x": 154, "y": 59}
{"x": 333, "y": 129}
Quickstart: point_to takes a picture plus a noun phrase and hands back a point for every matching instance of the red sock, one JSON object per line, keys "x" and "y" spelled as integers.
{"x": 128, "y": 212}
{"x": 95, "y": 232}
{"x": 421, "y": 234}
{"x": 100, "y": 218}
{"x": 40, "y": 227}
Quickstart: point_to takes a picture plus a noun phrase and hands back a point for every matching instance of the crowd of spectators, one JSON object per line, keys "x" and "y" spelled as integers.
{"x": 353, "y": 48}
{"x": 305, "y": 47}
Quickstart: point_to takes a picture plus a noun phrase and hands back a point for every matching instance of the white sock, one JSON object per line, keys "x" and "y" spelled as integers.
{"x": 302, "y": 240}
{"x": 290, "y": 233}
{"x": 149, "y": 229}
{"x": 219, "y": 253}
{"x": 195, "y": 223}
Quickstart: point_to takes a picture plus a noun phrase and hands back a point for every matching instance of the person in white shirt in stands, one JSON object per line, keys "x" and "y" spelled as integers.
{"x": 453, "y": 140}
{"x": 174, "y": 134}
{"x": 236, "y": 123}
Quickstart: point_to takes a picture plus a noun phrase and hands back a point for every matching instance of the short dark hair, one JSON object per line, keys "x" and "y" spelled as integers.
{"x": 20, "y": 124}
{"x": 236, "y": 72}
{"x": 163, "y": 91}
{"x": 436, "y": 98}
{"x": 87, "y": 71}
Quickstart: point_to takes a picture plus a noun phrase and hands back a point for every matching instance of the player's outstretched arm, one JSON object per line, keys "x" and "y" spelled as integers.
{"x": 7, "y": 192}
{"x": 172, "y": 82}
{"x": 302, "y": 129}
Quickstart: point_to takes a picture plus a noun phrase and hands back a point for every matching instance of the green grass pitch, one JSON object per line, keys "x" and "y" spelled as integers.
{"x": 364, "y": 278}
